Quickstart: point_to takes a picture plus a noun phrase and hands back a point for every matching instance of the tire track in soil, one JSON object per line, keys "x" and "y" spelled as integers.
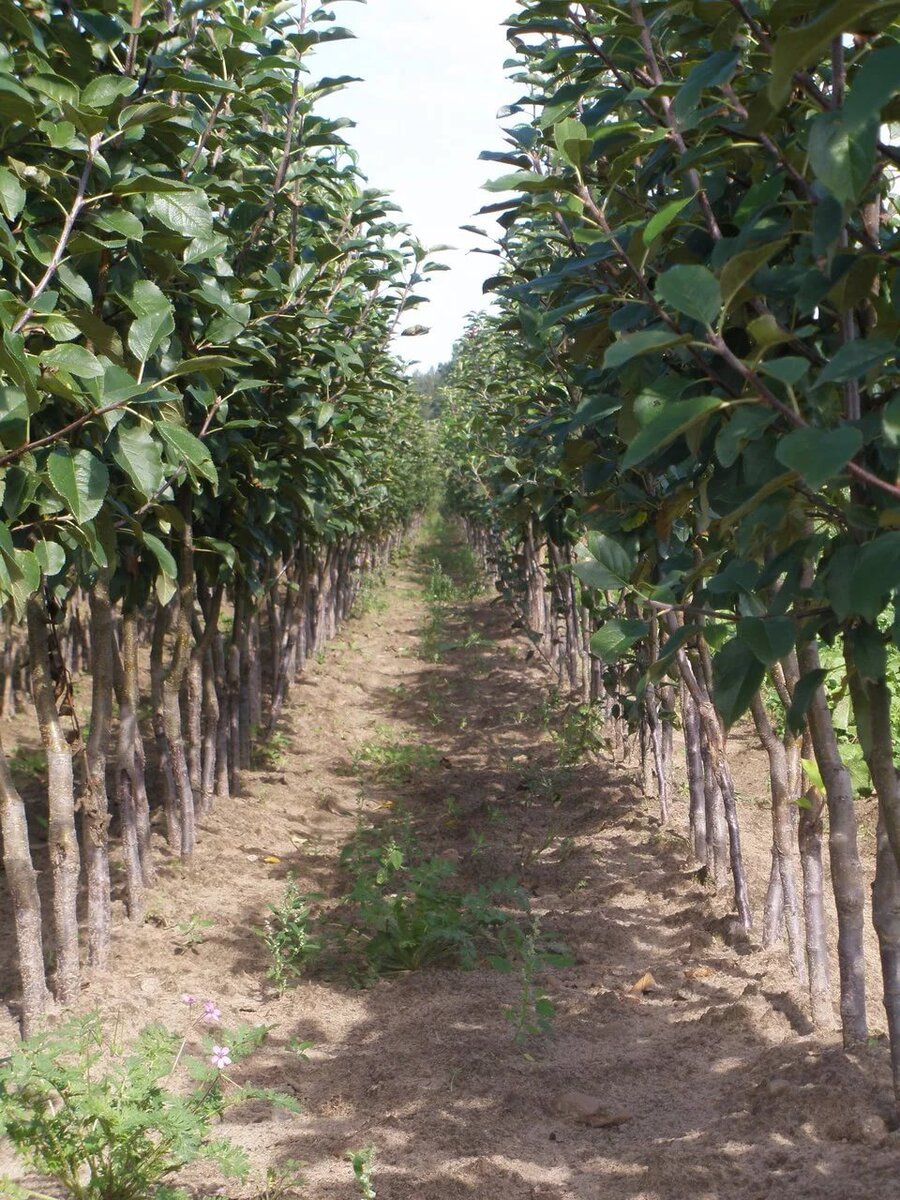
{"x": 724, "y": 1098}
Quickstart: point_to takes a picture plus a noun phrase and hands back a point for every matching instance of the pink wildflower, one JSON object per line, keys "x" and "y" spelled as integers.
{"x": 187, "y": 998}
{"x": 220, "y": 1057}
{"x": 211, "y": 1012}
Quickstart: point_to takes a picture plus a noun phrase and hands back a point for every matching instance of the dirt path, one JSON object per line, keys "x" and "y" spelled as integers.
{"x": 725, "y": 1092}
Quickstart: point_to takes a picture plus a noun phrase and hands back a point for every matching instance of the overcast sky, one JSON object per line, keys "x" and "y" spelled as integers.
{"x": 433, "y": 84}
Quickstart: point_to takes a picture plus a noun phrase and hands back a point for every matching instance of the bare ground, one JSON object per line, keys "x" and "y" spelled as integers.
{"x": 724, "y": 1091}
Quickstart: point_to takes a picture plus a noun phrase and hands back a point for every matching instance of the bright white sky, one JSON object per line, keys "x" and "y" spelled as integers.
{"x": 433, "y": 84}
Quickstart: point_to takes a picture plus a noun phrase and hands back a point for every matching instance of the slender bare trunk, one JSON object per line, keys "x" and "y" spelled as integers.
{"x": 846, "y": 869}
{"x": 782, "y": 836}
{"x": 872, "y": 706}
{"x": 21, "y": 879}
{"x": 64, "y": 854}
{"x": 135, "y": 839}
{"x": 693, "y": 754}
{"x": 810, "y": 842}
{"x": 95, "y": 805}
{"x": 164, "y": 757}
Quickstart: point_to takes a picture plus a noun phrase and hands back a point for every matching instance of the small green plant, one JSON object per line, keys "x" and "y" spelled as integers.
{"x": 301, "y": 1048}
{"x": 289, "y": 937}
{"x": 402, "y": 912}
{"x": 30, "y": 764}
{"x": 281, "y": 1182}
{"x": 191, "y": 933}
{"x": 393, "y": 761}
{"x": 532, "y": 1014}
{"x": 106, "y": 1121}
{"x": 370, "y": 598}
{"x": 270, "y": 752}
{"x": 580, "y": 734}
{"x": 361, "y": 1162}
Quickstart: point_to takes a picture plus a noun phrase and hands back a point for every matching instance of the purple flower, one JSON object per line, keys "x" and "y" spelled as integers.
{"x": 187, "y": 998}
{"x": 211, "y": 1012}
{"x": 219, "y": 1057}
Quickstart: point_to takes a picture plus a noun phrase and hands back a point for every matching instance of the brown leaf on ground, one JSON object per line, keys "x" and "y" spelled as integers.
{"x": 645, "y": 984}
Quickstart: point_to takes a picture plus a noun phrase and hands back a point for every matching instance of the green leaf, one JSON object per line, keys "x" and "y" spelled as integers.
{"x": 138, "y": 454}
{"x": 12, "y": 194}
{"x": 737, "y": 677}
{"x": 154, "y": 319}
{"x": 609, "y": 566}
{"x": 162, "y": 555}
{"x": 646, "y": 341}
{"x": 740, "y": 269}
{"x": 672, "y": 421}
{"x": 80, "y": 480}
{"x": 812, "y": 772}
{"x": 201, "y": 365}
{"x": 573, "y": 142}
{"x": 770, "y": 638}
{"x": 661, "y": 220}
{"x": 105, "y": 90}
{"x": 77, "y": 360}
{"x": 51, "y": 556}
{"x": 856, "y": 358}
{"x": 819, "y": 454}
{"x": 185, "y": 212}
{"x": 842, "y": 157}
{"x": 804, "y": 691}
{"x": 712, "y": 70}
{"x": 890, "y": 419}
{"x": 25, "y": 580}
{"x": 615, "y": 638}
{"x": 875, "y": 83}
{"x": 188, "y": 450}
{"x": 692, "y": 290}
{"x": 868, "y": 652}
{"x": 877, "y": 574}
{"x": 788, "y": 370}
{"x": 797, "y": 49}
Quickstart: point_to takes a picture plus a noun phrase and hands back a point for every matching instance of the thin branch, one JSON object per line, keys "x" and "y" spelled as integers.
{"x": 66, "y": 233}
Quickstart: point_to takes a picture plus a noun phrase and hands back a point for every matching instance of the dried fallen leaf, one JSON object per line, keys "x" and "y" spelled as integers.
{"x": 645, "y": 984}
{"x": 606, "y": 1120}
{"x": 271, "y": 860}
{"x": 699, "y": 973}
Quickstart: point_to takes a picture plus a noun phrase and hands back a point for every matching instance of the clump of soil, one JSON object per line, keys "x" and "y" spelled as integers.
{"x": 704, "y": 1082}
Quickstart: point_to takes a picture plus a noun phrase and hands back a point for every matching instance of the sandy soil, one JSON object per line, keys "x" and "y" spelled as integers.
{"x": 723, "y": 1090}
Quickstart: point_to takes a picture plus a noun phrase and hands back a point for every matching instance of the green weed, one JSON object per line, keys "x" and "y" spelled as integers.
{"x": 288, "y": 936}
{"x": 191, "y": 933}
{"x": 107, "y": 1121}
{"x": 271, "y": 752}
{"x": 401, "y": 912}
{"x": 393, "y": 761}
{"x": 361, "y": 1162}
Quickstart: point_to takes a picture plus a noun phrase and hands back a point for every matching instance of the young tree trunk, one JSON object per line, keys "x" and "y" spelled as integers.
{"x": 782, "y": 835}
{"x": 655, "y": 731}
{"x": 21, "y": 879}
{"x": 64, "y": 854}
{"x": 136, "y": 851}
{"x": 171, "y": 691}
{"x": 810, "y": 842}
{"x": 872, "y": 707}
{"x": 210, "y": 721}
{"x": 846, "y": 869}
{"x": 164, "y": 757}
{"x": 693, "y": 754}
{"x": 254, "y": 676}
{"x": 192, "y": 697}
{"x": 224, "y": 754}
{"x": 721, "y": 774}
{"x": 95, "y": 804}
